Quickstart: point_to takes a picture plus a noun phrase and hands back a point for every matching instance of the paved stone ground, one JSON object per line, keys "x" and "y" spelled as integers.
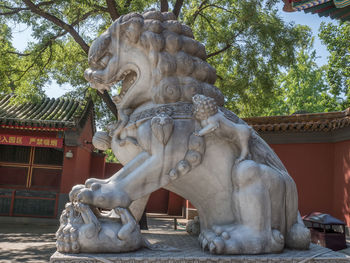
{"x": 25, "y": 243}
{"x": 33, "y": 243}
{"x": 189, "y": 251}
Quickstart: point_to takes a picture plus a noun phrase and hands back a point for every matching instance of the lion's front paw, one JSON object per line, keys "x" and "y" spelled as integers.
{"x": 209, "y": 240}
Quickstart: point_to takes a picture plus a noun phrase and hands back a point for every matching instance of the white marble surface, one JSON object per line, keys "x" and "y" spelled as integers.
{"x": 246, "y": 200}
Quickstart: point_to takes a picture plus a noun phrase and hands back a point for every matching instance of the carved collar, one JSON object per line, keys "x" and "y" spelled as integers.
{"x": 178, "y": 110}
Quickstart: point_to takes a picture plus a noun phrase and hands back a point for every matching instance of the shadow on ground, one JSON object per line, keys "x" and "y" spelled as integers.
{"x": 40, "y": 253}
{"x": 24, "y": 243}
{"x": 36, "y": 243}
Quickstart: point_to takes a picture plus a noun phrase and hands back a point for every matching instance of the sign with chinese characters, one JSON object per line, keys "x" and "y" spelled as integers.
{"x": 31, "y": 141}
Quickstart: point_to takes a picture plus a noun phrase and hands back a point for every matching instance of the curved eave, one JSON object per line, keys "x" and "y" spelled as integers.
{"x": 314, "y": 122}
{"x": 334, "y": 9}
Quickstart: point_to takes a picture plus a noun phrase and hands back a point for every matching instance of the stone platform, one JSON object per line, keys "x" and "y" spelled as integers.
{"x": 191, "y": 252}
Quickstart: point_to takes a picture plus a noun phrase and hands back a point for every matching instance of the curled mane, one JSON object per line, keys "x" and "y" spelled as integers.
{"x": 179, "y": 69}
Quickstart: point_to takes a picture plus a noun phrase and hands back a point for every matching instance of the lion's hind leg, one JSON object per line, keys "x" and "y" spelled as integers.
{"x": 253, "y": 231}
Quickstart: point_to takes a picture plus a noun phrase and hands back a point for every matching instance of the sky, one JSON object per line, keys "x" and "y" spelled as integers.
{"x": 22, "y": 35}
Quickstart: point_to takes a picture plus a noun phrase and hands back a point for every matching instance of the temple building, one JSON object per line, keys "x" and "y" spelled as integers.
{"x": 45, "y": 148}
{"x": 335, "y": 9}
{"x": 315, "y": 149}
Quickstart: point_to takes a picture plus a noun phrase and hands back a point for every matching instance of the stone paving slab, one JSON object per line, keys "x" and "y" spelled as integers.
{"x": 36, "y": 244}
{"x": 189, "y": 251}
{"x": 195, "y": 255}
{"x": 26, "y": 243}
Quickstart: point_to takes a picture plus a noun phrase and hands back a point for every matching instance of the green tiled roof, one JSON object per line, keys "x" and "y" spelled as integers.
{"x": 48, "y": 113}
{"x": 335, "y": 9}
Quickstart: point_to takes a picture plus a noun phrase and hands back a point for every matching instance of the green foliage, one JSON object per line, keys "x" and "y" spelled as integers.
{"x": 17, "y": 74}
{"x": 110, "y": 157}
{"x": 303, "y": 88}
{"x": 337, "y": 40}
{"x": 247, "y": 42}
{"x": 259, "y": 44}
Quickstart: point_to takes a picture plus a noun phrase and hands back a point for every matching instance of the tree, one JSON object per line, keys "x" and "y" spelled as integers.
{"x": 337, "y": 39}
{"x": 14, "y": 71}
{"x": 304, "y": 88}
{"x": 246, "y": 41}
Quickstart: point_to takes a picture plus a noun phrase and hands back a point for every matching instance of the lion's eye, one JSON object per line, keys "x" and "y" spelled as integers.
{"x": 104, "y": 61}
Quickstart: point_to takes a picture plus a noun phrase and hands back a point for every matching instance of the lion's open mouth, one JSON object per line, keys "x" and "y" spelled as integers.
{"x": 127, "y": 80}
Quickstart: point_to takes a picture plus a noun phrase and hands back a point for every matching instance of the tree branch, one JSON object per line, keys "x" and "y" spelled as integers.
{"x": 110, "y": 104}
{"x": 32, "y": 65}
{"x": 16, "y": 10}
{"x": 47, "y": 62}
{"x": 69, "y": 28}
{"x": 74, "y": 23}
{"x": 206, "y": 19}
{"x": 164, "y": 6}
{"x": 177, "y": 7}
{"x": 219, "y": 51}
{"x": 83, "y": 17}
{"x": 19, "y": 54}
{"x": 101, "y": 8}
{"x": 228, "y": 45}
{"x": 198, "y": 11}
{"x": 44, "y": 47}
{"x": 112, "y": 9}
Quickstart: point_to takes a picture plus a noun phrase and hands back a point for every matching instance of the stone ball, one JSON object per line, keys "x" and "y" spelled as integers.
{"x": 101, "y": 140}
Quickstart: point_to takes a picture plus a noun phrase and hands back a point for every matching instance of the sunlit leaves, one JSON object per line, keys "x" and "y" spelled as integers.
{"x": 257, "y": 46}
{"x": 337, "y": 40}
{"x": 252, "y": 48}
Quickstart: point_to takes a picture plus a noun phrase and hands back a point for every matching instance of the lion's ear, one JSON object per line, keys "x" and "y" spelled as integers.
{"x": 132, "y": 29}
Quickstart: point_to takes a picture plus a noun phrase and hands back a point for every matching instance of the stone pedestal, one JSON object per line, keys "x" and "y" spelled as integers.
{"x": 191, "y": 252}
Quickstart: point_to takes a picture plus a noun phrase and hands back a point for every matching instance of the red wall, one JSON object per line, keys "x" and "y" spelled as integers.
{"x": 77, "y": 169}
{"x": 158, "y": 202}
{"x": 320, "y": 170}
{"x": 341, "y": 182}
{"x": 175, "y": 204}
{"x": 322, "y": 174}
{"x": 112, "y": 168}
{"x": 311, "y": 167}
{"x": 98, "y": 165}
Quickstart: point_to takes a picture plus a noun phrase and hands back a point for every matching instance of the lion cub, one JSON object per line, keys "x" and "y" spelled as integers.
{"x": 213, "y": 120}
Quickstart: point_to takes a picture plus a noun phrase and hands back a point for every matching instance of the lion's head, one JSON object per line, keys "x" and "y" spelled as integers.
{"x": 155, "y": 57}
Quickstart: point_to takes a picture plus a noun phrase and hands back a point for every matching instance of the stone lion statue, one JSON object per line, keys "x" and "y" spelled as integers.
{"x": 173, "y": 132}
